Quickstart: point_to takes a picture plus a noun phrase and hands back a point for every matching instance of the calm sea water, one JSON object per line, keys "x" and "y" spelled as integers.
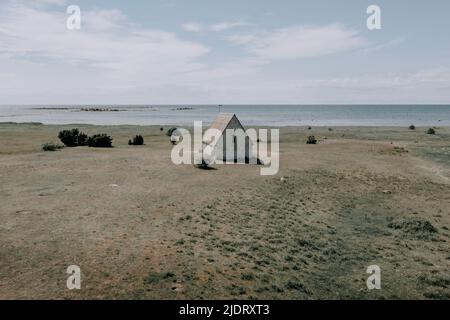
{"x": 269, "y": 115}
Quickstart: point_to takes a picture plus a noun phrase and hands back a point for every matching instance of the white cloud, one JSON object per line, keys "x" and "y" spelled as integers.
{"x": 42, "y": 53}
{"x": 222, "y": 26}
{"x": 51, "y": 2}
{"x": 192, "y": 27}
{"x": 300, "y": 42}
{"x": 217, "y": 27}
{"x": 27, "y": 31}
{"x": 103, "y": 20}
{"x": 423, "y": 79}
{"x": 388, "y": 44}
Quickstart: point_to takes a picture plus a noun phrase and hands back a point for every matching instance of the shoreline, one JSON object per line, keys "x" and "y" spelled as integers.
{"x": 249, "y": 115}
{"x": 206, "y": 124}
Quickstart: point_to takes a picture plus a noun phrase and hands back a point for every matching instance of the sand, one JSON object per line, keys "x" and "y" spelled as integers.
{"x": 140, "y": 227}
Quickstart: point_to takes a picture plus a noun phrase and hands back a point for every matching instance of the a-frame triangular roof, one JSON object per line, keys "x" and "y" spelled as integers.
{"x": 222, "y": 121}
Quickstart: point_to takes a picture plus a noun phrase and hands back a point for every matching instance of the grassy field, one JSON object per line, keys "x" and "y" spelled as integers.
{"x": 142, "y": 228}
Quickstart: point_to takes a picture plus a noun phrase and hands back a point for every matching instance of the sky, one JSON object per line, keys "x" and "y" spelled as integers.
{"x": 224, "y": 52}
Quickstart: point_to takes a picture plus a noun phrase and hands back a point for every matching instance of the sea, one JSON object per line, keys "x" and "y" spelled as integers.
{"x": 249, "y": 115}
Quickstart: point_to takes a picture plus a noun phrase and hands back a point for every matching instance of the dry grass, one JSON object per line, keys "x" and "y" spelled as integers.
{"x": 140, "y": 227}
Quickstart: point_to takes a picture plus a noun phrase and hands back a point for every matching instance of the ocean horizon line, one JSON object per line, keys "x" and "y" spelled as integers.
{"x": 218, "y": 104}
{"x": 250, "y": 115}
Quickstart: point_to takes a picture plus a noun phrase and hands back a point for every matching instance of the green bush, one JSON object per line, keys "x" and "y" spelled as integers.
{"x": 311, "y": 140}
{"x": 137, "y": 141}
{"x": 72, "y": 138}
{"x": 412, "y": 127}
{"x": 431, "y": 131}
{"x": 50, "y": 146}
{"x": 100, "y": 141}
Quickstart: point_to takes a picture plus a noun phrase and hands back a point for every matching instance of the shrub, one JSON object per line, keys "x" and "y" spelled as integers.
{"x": 431, "y": 131}
{"x": 205, "y": 162}
{"x": 170, "y": 131}
{"x": 412, "y": 127}
{"x": 294, "y": 285}
{"x": 100, "y": 141}
{"x": 417, "y": 228}
{"x": 72, "y": 138}
{"x": 247, "y": 276}
{"x": 176, "y": 139}
{"x": 154, "y": 277}
{"x": 82, "y": 139}
{"x": 413, "y": 225}
{"x": 311, "y": 140}
{"x": 203, "y": 166}
{"x": 137, "y": 141}
{"x": 50, "y": 146}
{"x": 161, "y": 129}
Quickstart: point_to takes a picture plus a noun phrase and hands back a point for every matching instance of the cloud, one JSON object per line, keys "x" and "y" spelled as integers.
{"x": 51, "y": 2}
{"x": 300, "y": 42}
{"x": 107, "y": 55}
{"x": 222, "y": 26}
{"x": 192, "y": 27}
{"x": 28, "y": 31}
{"x": 388, "y": 44}
{"x": 112, "y": 60}
{"x": 428, "y": 78}
{"x": 217, "y": 27}
{"x": 103, "y": 20}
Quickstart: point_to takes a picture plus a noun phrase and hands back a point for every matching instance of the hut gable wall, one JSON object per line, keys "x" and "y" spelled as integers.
{"x": 230, "y": 150}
